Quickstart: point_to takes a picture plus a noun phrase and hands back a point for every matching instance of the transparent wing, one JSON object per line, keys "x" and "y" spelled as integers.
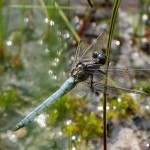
{"x": 82, "y": 46}
{"x": 97, "y": 45}
{"x": 87, "y": 50}
{"x": 113, "y": 90}
{"x": 122, "y": 79}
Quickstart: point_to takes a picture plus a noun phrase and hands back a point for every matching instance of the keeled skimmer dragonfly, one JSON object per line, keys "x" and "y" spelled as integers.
{"x": 90, "y": 69}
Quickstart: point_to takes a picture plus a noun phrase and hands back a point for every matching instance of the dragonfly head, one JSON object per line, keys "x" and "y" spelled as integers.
{"x": 99, "y": 57}
{"x": 95, "y": 55}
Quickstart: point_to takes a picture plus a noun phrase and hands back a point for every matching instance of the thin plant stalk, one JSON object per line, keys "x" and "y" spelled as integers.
{"x": 49, "y": 15}
{"x": 63, "y": 16}
{"x": 90, "y": 3}
{"x": 48, "y": 7}
{"x": 140, "y": 25}
{"x": 112, "y": 24}
{"x": 44, "y": 8}
{"x": 1, "y": 34}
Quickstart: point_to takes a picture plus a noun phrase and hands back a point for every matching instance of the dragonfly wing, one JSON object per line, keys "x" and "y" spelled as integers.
{"x": 125, "y": 77}
{"x": 82, "y": 46}
{"x": 121, "y": 79}
{"x": 97, "y": 45}
{"x": 128, "y": 77}
{"x": 84, "y": 50}
{"x": 113, "y": 89}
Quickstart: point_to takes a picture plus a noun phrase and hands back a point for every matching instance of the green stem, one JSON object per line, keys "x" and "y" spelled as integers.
{"x": 48, "y": 7}
{"x": 113, "y": 20}
{"x": 63, "y": 16}
{"x": 140, "y": 25}
{"x": 1, "y": 34}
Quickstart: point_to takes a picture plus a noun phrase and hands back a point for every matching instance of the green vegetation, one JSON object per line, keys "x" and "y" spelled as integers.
{"x": 86, "y": 124}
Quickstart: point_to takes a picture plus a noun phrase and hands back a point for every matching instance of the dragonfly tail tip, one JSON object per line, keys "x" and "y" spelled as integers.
{"x": 19, "y": 126}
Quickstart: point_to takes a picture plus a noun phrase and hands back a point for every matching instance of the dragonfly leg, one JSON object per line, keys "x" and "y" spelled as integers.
{"x": 92, "y": 87}
{"x": 92, "y": 82}
{"x": 100, "y": 71}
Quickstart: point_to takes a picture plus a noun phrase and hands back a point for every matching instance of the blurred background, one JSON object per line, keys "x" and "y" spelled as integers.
{"x": 38, "y": 41}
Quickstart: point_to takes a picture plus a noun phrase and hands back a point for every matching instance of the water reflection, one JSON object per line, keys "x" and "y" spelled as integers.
{"x": 59, "y": 133}
{"x": 46, "y": 50}
{"x": 119, "y": 100}
{"x": 26, "y": 20}
{"x": 46, "y": 20}
{"x": 117, "y": 43}
{"x": 56, "y": 60}
{"x": 50, "y": 72}
{"x": 147, "y": 106}
{"x": 100, "y": 108}
{"x": 40, "y": 42}
{"x": 59, "y": 52}
{"x": 51, "y": 22}
{"x": 114, "y": 107}
{"x": 54, "y": 77}
{"x": 147, "y": 145}
{"x": 68, "y": 122}
{"x": 73, "y": 138}
{"x": 8, "y": 43}
{"x": 66, "y": 35}
{"x": 11, "y": 136}
{"x": 107, "y": 107}
{"x": 41, "y": 120}
{"x": 145, "y": 17}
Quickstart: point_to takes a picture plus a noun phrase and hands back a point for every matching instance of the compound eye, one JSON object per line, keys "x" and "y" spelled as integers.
{"x": 95, "y": 55}
{"x": 102, "y": 58}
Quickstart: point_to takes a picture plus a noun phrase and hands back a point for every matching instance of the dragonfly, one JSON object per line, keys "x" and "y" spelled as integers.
{"x": 89, "y": 68}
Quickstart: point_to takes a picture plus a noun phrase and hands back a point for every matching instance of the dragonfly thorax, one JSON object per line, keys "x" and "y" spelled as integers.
{"x": 79, "y": 72}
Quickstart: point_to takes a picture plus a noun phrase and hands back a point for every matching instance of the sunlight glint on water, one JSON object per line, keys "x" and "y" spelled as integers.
{"x": 100, "y": 108}
{"x": 40, "y": 42}
{"x": 117, "y": 43}
{"x": 66, "y": 35}
{"x": 59, "y": 133}
{"x": 147, "y": 145}
{"x": 11, "y": 136}
{"x": 147, "y": 107}
{"x": 114, "y": 107}
{"x": 54, "y": 77}
{"x": 119, "y": 100}
{"x": 46, "y": 50}
{"x": 46, "y": 20}
{"x": 51, "y": 22}
{"x": 41, "y": 120}
{"x": 26, "y": 20}
{"x": 68, "y": 122}
{"x": 50, "y": 72}
{"x": 73, "y": 138}
{"x": 56, "y": 60}
{"x": 107, "y": 107}
{"x": 145, "y": 17}
{"x": 9, "y": 43}
{"x": 135, "y": 96}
